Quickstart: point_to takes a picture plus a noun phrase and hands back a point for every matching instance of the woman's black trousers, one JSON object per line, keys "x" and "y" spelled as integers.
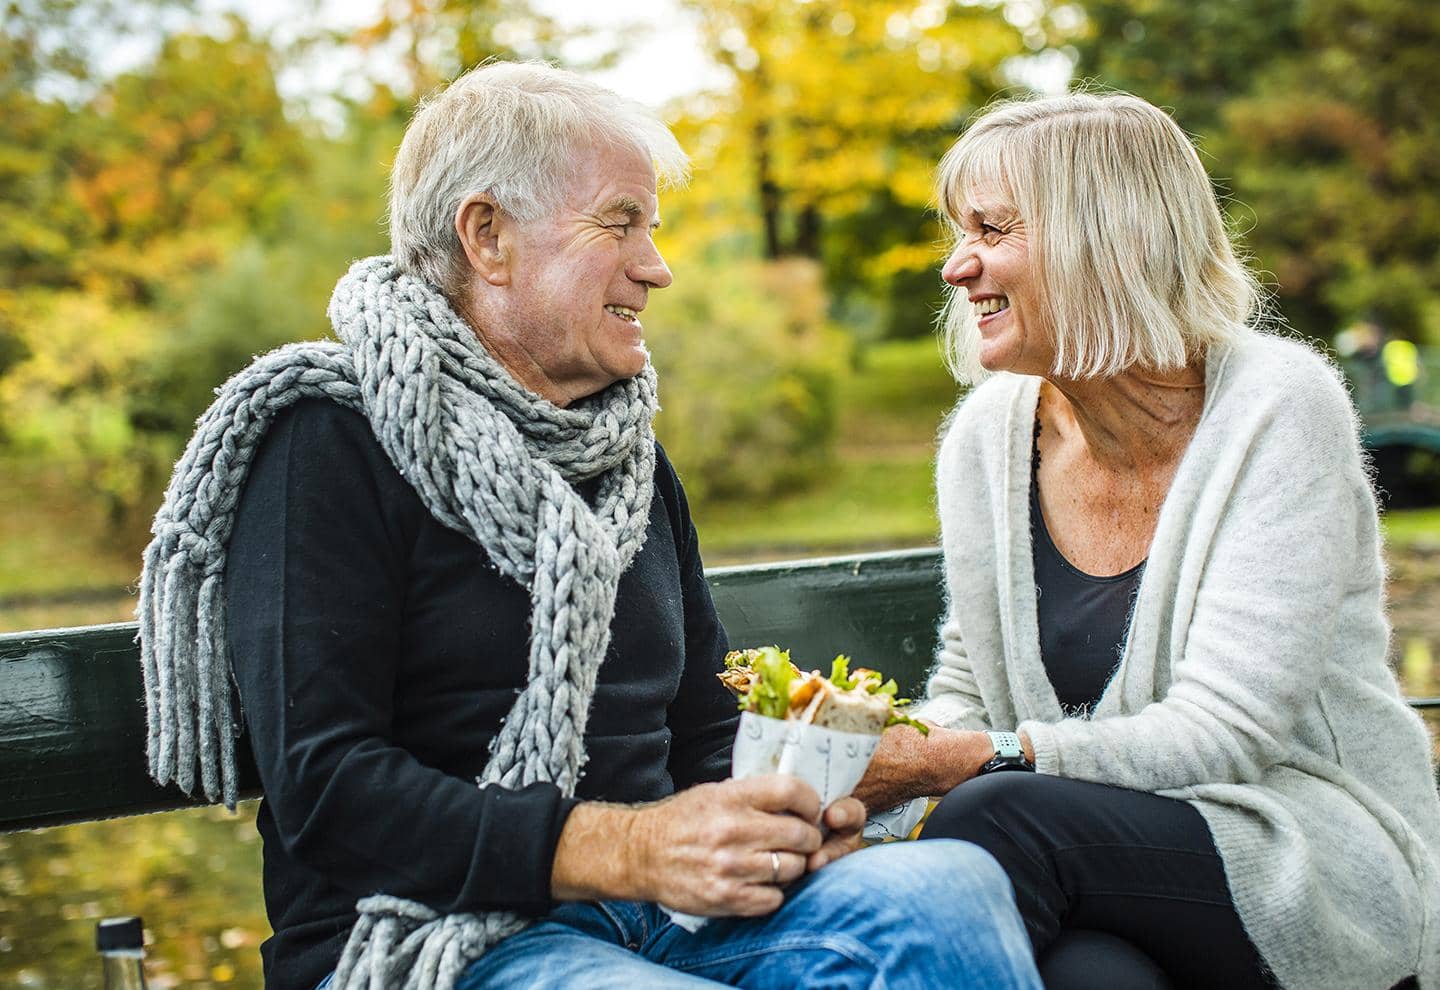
{"x": 1118, "y": 888}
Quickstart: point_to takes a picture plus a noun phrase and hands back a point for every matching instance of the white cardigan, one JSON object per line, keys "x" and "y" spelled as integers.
{"x": 1253, "y": 683}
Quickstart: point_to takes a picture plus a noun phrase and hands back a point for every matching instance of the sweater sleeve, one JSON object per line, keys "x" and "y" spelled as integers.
{"x": 1287, "y": 504}
{"x": 952, "y": 695}
{"x": 317, "y": 584}
{"x": 703, "y": 717}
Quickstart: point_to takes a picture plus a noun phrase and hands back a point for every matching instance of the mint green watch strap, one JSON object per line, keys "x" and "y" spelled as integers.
{"x": 1007, "y": 745}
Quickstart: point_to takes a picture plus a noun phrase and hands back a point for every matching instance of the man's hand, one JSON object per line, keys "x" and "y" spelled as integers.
{"x": 908, "y": 765}
{"x": 706, "y": 850}
{"x": 845, "y": 818}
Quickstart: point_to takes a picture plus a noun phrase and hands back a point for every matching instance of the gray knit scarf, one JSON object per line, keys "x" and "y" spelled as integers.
{"x": 489, "y": 459}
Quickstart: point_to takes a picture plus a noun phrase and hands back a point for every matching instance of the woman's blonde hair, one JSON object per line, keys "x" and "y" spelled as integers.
{"x": 1132, "y": 260}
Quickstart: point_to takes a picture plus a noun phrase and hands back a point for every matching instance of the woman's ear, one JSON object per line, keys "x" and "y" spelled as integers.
{"x": 479, "y": 223}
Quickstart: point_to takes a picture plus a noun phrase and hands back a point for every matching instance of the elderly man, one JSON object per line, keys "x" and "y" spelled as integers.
{"x": 437, "y": 530}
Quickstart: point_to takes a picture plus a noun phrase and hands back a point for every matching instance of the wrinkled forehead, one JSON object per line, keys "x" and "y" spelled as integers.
{"x": 976, "y": 177}
{"x": 617, "y": 175}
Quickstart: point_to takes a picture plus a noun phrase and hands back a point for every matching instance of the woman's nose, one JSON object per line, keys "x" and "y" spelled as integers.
{"x": 960, "y": 267}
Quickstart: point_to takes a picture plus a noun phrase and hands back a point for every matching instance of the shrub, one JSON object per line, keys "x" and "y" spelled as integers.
{"x": 748, "y": 366}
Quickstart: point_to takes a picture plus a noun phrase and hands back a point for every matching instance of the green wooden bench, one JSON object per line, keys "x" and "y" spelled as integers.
{"x": 72, "y": 727}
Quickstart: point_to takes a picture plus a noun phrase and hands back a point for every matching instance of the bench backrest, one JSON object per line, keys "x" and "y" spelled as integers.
{"x": 72, "y": 720}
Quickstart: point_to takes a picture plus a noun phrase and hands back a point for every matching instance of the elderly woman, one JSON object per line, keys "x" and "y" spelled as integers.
{"x": 1165, "y": 583}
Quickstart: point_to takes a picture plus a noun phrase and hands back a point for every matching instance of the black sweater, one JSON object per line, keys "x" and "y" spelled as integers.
{"x": 376, "y": 652}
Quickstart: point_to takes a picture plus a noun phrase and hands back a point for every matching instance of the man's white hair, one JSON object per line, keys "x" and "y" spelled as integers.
{"x": 1130, "y": 255}
{"x": 515, "y": 130}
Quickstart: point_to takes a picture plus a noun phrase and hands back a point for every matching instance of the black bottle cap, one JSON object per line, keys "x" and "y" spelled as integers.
{"x": 114, "y": 934}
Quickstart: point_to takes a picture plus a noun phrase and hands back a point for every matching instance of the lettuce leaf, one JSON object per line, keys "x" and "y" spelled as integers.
{"x": 770, "y": 692}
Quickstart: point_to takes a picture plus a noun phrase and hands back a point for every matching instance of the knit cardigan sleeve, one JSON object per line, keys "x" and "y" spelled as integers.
{"x": 953, "y": 696}
{"x": 1272, "y": 528}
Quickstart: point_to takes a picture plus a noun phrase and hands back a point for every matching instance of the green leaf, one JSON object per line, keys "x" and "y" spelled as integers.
{"x": 897, "y": 719}
{"x": 770, "y": 693}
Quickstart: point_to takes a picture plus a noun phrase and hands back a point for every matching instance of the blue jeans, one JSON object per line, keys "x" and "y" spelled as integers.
{"x": 892, "y": 917}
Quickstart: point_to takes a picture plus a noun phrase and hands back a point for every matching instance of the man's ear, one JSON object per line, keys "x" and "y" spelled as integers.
{"x": 480, "y": 223}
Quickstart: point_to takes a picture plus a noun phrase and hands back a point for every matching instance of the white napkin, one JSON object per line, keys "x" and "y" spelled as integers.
{"x": 895, "y": 823}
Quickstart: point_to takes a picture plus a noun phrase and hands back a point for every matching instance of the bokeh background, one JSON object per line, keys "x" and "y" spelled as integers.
{"x": 181, "y": 183}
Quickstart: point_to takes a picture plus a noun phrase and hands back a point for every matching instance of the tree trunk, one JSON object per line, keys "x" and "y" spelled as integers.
{"x": 770, "y": 199}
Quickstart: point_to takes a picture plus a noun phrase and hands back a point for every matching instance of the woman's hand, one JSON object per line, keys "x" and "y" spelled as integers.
{"x": 897, "y": 771}
{"x": 908, "y": 765}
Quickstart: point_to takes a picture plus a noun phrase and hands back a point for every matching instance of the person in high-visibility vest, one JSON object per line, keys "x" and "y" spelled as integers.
{"x": 1401, "y": 361}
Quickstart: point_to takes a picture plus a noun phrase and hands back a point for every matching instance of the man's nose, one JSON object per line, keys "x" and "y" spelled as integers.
{"x": 650, "y": 268}
{"x": 961, "y": 266}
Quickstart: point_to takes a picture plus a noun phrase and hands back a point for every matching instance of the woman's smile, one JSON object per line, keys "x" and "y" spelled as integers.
{"x": 989, "y": 309}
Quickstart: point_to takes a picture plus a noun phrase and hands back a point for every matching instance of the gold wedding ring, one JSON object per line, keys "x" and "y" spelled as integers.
{"x": 775, "y": 868}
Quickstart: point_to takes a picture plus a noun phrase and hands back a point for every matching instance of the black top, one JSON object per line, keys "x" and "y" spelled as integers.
{"x": 1084, "y": 620}
{"x": 376, "y": 652}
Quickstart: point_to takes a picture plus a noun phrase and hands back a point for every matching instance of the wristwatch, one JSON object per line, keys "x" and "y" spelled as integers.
{"x": 1009, "y": 754}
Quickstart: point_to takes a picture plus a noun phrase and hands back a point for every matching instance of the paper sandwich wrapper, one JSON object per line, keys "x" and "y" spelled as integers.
{"x": 831, "y": 760}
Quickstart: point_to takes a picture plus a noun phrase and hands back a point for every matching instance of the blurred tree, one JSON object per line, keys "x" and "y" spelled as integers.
{"x": 432, "y": 41}
{"x": 826, "y": 145}
{"x": 168, "y": 222}
{"x": 268, "y": 293}
{"x": 41, "y": 225}
{"x": 748, "y": 364}
{"x": 47, "y": 52}
{"x": 1318, "y": 121}
{"x": 194, "y": 143}
{"x": 163, "y": 170}
{"x": 1192, "y": 57}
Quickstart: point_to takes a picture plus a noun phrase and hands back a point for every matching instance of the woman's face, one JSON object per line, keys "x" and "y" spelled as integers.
{"x": 991, "y": 265}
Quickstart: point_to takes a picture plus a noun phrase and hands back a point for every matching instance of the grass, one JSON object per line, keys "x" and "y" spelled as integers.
{"x": 1411, "y": 528}
{"x": 52, "y": 537}
{"x": 872, "y": 502}
{"x": 896, "y": 397}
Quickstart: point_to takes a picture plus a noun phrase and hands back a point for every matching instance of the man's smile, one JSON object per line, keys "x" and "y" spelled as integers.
{"x": 625, "y": 313}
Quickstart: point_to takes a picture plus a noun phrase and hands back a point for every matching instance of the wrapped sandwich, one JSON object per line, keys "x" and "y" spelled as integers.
{"x": 768, "y": 684}
{"x": 823, "y": 730}
{"x": 860, "y": 703}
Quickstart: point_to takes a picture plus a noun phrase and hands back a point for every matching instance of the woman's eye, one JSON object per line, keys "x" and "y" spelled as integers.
{"x": 990, "y": 230}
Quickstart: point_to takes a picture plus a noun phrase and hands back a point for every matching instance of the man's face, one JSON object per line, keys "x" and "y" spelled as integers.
{"x": 579, "y": 279}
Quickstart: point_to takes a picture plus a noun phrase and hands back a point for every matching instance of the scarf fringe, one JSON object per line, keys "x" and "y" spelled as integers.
{"x": 181, "y": 613}
{"x": 400, "y": 943}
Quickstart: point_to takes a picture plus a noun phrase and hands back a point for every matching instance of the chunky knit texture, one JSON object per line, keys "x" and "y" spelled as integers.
{"x": 490, "y": 460}
{"x": 1254, "y": 681}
